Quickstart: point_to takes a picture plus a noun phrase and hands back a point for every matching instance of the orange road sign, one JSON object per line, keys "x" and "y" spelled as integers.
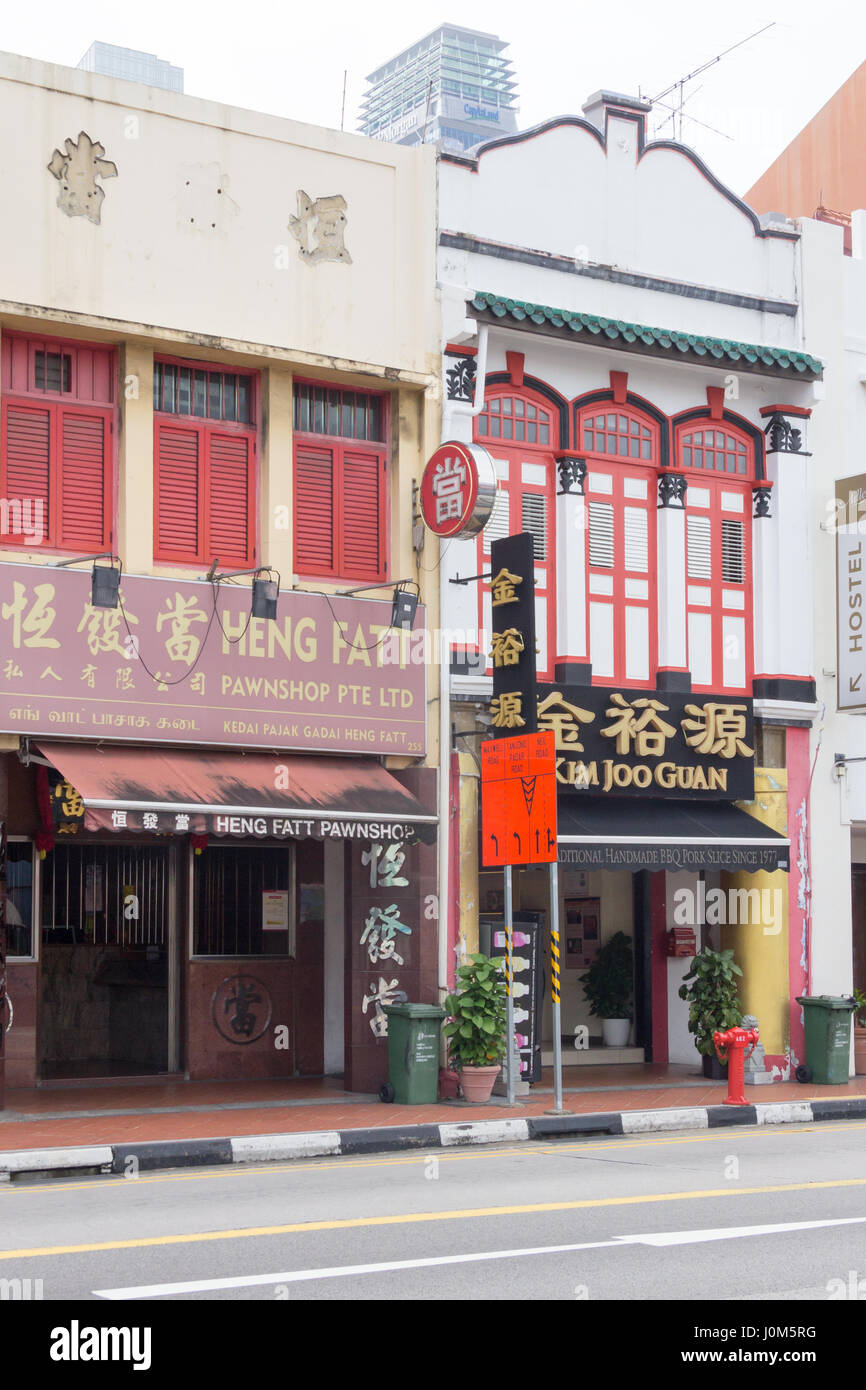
{"x": 518, "y": 800}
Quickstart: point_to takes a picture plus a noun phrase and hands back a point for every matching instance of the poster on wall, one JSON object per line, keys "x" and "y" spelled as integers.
{"x": 275, "y": 910}
{"x": 581, "y": 932}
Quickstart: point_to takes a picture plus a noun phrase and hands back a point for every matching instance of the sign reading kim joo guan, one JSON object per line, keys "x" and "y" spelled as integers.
{"x": 310, "y": 679}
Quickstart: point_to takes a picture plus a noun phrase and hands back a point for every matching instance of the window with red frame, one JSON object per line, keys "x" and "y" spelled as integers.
{"x": 56, "y": 444}
{"x": 719, "y": 464}
{"x": 621, "y": 448}
{"x": 341, "y": 484}
{"x": 205, "y": 489}
{"x": 520, "y": 434}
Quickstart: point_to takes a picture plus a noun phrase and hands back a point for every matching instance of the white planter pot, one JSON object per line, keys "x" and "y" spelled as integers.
{"x": 614, "y": 1031}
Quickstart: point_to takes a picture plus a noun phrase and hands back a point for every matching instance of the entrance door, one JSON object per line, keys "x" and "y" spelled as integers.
{"x": 106, "y": 915}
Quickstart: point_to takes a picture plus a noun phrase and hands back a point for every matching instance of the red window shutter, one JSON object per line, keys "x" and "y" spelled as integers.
{"x": 363, "y": 514}
{"x": 177, "y": 493}
{"x": 315, "y": 549}
{"x": 83, "y": 480}
{"x": 230, "y": 501}
{"x": 26, "y": 462}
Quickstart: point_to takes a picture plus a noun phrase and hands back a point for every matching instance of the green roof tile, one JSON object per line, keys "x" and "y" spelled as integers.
{"x": 782, "y": 359}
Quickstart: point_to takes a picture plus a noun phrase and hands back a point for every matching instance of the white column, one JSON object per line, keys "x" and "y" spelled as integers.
{"x": 671, "y": 571}
{"x": 571, "y": 563}
{"x": 766, "y": 589}
{"x": 790, "y": 506}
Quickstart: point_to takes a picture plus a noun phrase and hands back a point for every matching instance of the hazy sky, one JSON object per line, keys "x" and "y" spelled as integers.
{"x": 289, "y": 58}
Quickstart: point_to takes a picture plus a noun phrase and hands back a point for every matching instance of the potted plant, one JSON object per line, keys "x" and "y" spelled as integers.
{"x": 476, "y": 1027}
{"x": 710, "y": 989}
{"x": 608, "y": 986}
{"x": 860, "y": 1033}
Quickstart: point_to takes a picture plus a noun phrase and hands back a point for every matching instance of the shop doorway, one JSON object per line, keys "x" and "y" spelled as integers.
{"x": 108, "y": 969}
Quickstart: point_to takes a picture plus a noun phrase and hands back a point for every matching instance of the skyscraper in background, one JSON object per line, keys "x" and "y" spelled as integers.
{"x": 455, "y": 85}
{"x": 133, "y": 65}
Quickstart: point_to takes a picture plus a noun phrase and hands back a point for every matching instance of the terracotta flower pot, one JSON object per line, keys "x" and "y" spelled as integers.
{"x": 860, "y": 1051}
{"x": 477, "y": 1082}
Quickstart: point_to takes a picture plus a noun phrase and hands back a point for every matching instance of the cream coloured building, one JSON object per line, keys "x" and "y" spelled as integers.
{"x": 220, "y": 353}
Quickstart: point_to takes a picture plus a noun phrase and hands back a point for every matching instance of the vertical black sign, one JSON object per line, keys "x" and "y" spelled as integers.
{"x": 512, "y": 612}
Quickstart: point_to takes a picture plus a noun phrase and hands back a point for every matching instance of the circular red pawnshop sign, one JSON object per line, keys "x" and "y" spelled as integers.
{"x": 458, "y": 489}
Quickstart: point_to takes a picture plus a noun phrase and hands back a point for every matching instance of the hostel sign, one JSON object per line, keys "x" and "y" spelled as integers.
{"x": 850, "y": 526}
{"x": 654, "y": 742}
{"x": 166, "y": 668}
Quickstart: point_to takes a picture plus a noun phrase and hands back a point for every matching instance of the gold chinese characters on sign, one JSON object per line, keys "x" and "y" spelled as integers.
{"x": 649, "y": 750}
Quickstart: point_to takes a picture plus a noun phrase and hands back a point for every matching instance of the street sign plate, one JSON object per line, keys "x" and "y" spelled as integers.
{"x": 518, "y": 800}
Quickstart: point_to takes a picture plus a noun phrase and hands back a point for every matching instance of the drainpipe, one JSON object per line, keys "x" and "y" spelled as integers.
{"x": 445, "y": 709}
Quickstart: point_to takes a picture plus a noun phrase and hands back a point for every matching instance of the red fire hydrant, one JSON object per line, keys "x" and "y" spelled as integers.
{"x": 734, "y": 1042}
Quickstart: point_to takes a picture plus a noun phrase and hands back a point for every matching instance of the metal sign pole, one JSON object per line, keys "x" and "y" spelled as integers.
{"x": 509, "y": 979}
{"x": 555, "y": 985}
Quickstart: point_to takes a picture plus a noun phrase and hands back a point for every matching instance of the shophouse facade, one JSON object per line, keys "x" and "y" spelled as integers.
{"x": 625, "y": 338}
{"x": 219, "y": 355}
{"x": 821, "y": 178}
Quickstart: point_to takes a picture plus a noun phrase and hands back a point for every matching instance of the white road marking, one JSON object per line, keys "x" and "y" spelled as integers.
{"x": 296, "y": 1276}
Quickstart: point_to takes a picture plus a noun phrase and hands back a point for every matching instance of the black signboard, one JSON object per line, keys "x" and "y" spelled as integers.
{"x": 616, "y": 741}
{"x": 512, "y": 612}
{"x": 527, "y": 961}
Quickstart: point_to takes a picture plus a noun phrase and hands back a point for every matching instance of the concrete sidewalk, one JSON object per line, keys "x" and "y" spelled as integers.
{"x": 172, "y": 1123}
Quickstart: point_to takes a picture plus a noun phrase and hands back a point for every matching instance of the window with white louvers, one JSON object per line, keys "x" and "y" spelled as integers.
{"x": 718, "y": 558}
{"x": 601, "y": 535}
{"x": 497, "y": 526}
{"x": 621, "y": 574}
{"x": 636, "y": 539}
{"x": 700, "y": 564}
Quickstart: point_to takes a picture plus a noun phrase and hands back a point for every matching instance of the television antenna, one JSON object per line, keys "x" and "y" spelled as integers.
{"x": 678, "y": 87}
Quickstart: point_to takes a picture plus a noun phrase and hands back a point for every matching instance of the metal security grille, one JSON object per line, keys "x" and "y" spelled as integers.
{"x": 87, "y": 892}
{"x": 344, "y": 414}
{"x": 211, "y": 395}
{"x": 52, "y": 371}
{"x": 229, "y": 883}
{"x": 533, "y": 510}
{"x": 733, "y": 562}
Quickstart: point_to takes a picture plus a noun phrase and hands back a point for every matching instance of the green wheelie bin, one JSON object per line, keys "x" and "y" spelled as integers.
{"x": 413, "y": 1053}
{"x": 827, "y": 1020}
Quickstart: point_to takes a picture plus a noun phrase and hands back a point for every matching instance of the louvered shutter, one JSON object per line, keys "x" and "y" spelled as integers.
{"x": 83, "y": 480}
{"x": 26, "y": 464}
{"x": 636, "y": 527}
{"x": 230, "y": 500}
{"x": 733, "y": 559}
{"x": 362, "y": 515}
{"x": 177, "y": 498}
{"x": 601, "y": 534}
{"x": 314, "y": 509}
{"x": 533, "y": 515}
{"x": 700, "y": 564}
{"x": 497, "y": 526}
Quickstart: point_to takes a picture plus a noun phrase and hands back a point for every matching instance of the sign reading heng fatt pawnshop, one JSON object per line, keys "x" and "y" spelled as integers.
{"x": 655, "y": 743}
{"x": 164, "y": 668}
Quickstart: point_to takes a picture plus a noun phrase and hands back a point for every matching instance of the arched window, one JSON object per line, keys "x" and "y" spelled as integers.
{"x": 520, "y": 430}
{"x": 621, "y": 447}
{"x": 719, "y": 461}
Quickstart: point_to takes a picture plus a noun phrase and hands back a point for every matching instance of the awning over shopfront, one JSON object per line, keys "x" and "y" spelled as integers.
{"x": 165, "y": 791}
{"x": 621, "y": 833}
